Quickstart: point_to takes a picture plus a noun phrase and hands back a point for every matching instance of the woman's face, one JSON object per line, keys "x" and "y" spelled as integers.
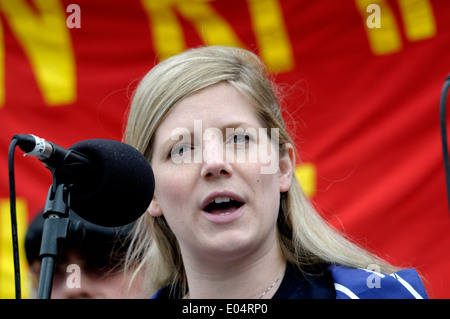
{"x": 213, "y": 182}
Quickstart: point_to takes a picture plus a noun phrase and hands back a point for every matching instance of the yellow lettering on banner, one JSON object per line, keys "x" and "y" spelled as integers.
{"x": 168, "y": 33}
{"x": 46, "y": 41}
{"x": 385, "y": 39}
{"x": 273, "y": 40}
{"x": 307, "y": 176}
{"x": 209, "y": 24}
{"x": 266, "y": 16}
{"x": 2, "y": 68}
{"x": 7, "y": 284}
{"x": 418, "y": 19}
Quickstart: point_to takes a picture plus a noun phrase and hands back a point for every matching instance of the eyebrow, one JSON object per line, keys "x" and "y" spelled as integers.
{"x": 184, "y": 131}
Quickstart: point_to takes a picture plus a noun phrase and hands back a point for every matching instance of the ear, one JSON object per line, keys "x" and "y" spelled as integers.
{"x": 154, "y": 209}
{"x": 287, "y": 166}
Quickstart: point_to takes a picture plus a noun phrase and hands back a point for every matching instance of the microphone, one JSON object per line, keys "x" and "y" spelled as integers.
{"x": 111, "y": 183}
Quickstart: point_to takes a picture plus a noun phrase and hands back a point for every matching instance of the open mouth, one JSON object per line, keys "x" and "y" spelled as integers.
{"x": 222, "y": 205}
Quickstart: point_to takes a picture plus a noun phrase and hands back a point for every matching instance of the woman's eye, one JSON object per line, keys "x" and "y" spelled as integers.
{"x": 241, "y": 138}
{"x": 179, "y": 150}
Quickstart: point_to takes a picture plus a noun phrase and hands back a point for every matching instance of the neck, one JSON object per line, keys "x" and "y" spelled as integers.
{"x": 247, "y": 278}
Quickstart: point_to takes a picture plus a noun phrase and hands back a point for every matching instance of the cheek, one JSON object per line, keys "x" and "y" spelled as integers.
{"x": 267, "y": 185}
{"x": 172, "y": 190}
{"x": 267, "y": 154}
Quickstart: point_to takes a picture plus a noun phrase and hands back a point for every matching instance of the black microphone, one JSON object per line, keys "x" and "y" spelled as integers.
{"x": 66, "y": 165}
{"x": 111, "y": 183}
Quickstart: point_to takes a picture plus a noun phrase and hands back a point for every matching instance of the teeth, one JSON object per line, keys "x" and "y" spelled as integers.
{"x": 227, "y": 213}
{"x": 219, "y": 200}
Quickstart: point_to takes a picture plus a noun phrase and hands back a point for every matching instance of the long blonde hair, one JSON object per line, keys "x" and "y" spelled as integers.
{"x": 304, "y": 236}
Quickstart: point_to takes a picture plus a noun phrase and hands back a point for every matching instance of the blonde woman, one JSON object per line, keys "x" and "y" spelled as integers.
{"x": 228, "y": 218}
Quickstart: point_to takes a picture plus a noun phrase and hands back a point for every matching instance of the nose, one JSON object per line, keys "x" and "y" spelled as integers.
{"x": 214, "y": 163}
{"x": 211, "y": 170}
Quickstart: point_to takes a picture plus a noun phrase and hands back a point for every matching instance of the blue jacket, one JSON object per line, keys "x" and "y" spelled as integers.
{"x": 364, "y": 284}
{"x": 339, "y": 282}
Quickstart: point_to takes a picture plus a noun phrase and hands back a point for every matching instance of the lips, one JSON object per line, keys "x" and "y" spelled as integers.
{"x": 222, "y": 204}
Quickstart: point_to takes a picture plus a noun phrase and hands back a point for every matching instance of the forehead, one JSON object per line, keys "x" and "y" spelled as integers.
{"x": 216, "y": 106}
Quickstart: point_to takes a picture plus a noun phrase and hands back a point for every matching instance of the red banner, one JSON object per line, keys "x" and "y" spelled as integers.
{"x": 362, "y": 81}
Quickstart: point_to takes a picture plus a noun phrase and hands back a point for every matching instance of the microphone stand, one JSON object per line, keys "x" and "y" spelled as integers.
{"x": 57, "y": 227}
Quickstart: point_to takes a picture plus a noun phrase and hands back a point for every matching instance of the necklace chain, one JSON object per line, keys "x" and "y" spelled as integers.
{"x": 272, "y": 285}
{"x": 263, "y": 294}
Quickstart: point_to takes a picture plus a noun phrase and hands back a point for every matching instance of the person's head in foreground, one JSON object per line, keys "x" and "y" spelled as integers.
{"x": 91, "y": 268}
{"x": 228, "y": 218}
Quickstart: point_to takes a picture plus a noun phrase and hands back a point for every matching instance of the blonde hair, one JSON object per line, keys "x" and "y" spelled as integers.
{"x": 305, "y": 237}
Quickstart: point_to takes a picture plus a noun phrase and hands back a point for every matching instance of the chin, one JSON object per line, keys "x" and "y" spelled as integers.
{"x": 229, "y": 247}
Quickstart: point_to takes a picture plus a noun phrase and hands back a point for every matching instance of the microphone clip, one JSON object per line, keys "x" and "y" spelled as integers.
{"x": 57, "y": 229}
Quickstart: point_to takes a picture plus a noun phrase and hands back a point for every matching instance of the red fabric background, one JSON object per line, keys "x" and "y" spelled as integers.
{"x": 368, "y": 122}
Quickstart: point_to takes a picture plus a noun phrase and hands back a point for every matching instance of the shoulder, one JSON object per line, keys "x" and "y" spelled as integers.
{"x": 352, "y": 283}
{"x": 163, "y": 293}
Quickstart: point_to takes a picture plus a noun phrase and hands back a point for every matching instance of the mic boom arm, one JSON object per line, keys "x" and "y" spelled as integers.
{"x": 57, "y": 226}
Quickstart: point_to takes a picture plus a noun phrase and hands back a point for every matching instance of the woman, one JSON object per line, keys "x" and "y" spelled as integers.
{"x": 223, "y": 223}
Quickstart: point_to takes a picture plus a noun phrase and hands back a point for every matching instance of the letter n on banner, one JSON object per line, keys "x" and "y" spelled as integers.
{"x": 46, "y": 41}
{"x": 7, "y": 284}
